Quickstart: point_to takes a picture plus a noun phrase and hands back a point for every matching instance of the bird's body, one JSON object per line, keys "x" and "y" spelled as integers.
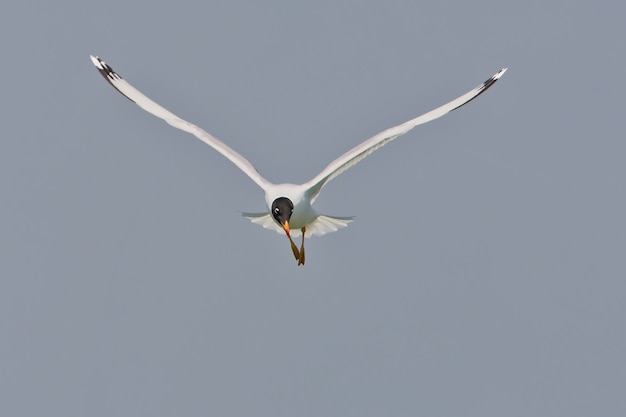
{"x": 289, "y": 206}
{"x": 303, "y": 215}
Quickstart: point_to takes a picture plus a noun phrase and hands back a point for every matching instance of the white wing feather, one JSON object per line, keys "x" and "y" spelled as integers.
{"x": 359, "y": 152}
{"x": 157, "y": 110}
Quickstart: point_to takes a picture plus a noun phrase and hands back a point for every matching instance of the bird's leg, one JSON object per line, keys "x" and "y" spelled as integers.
{"x": 294, "y": 249}
{"x": 301, "y": 257}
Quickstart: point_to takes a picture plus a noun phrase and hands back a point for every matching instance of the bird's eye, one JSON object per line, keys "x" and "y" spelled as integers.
{"x": 276, "y": 210}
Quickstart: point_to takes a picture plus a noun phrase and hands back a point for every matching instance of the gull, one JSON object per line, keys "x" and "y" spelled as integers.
{"x": 289, "y": 206}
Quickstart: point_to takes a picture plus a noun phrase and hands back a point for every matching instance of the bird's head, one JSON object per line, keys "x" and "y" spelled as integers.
{"x": 282, "y": 208}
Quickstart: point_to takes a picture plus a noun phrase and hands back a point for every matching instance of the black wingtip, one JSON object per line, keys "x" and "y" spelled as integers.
{"x": 484, "y": 86}
{"x": 107, "y": 72}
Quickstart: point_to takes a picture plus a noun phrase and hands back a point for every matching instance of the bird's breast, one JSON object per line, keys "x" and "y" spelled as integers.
{"x": 303, "y": 214}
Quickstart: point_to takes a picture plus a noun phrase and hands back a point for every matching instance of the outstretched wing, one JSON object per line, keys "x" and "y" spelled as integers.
{"x": 151, "y": 107}
{"x": 359, "y": 152}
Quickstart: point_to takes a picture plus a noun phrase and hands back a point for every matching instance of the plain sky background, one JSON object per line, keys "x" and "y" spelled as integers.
{"x": 485, "y": 273}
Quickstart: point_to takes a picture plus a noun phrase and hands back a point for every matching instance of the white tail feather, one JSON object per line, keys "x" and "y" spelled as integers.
{"x": 320, "y": 226}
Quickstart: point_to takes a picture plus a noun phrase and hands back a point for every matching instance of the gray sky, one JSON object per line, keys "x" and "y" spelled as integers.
{"x": 484, "y": 275}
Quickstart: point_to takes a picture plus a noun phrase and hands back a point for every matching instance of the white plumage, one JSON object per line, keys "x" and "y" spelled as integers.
{"x": 303, "y": 218}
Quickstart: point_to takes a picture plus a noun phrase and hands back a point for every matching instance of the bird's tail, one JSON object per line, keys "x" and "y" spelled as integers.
{"x": 320, "y": 226}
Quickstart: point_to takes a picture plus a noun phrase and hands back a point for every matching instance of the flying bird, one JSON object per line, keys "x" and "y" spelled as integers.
{"x": 289, "y": 206}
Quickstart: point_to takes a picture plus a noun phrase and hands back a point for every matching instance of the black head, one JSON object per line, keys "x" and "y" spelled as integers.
{"x": 282, "y": 208}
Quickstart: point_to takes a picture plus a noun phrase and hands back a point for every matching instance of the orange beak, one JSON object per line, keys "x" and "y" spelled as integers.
{"x": 286, "y": 227}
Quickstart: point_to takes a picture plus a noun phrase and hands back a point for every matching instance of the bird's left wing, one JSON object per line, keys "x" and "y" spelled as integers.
{"x": 151, "y": 107}
{"x": 359, "y": 152}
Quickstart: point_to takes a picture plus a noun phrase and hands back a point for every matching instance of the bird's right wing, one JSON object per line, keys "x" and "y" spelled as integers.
{"x": 359, "y": 152}
{"x": 151, "y": 107}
